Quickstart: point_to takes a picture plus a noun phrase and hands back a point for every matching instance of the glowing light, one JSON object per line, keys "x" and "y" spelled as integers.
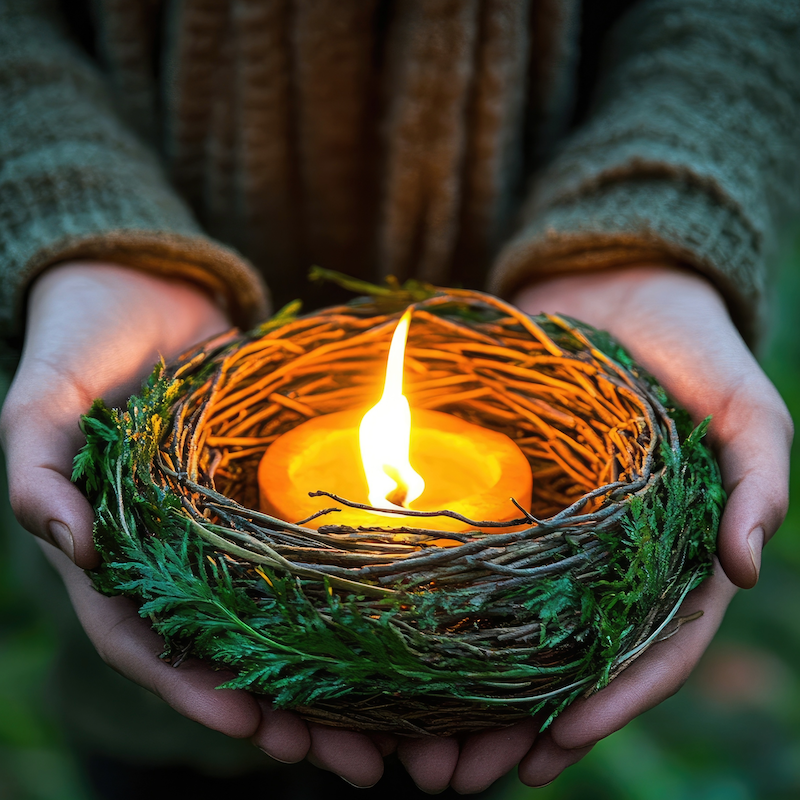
{"x": 385, "y": 435}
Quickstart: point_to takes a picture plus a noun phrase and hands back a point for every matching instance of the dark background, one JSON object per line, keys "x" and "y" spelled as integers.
{"x": 732, "y": 733}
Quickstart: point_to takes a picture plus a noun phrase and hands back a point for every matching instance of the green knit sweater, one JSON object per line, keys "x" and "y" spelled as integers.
{"x": 236, "y": 142}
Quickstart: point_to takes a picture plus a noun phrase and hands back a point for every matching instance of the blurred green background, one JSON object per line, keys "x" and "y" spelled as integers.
{"x": 732, "y": 733}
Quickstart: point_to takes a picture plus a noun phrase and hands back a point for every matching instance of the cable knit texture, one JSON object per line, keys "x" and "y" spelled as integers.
{"x": 236, "y": 142}
{"x": 76, "y": 183}
{"x": 691, "y": 152}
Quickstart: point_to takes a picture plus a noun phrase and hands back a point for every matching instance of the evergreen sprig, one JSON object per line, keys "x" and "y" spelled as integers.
{"x": 309, "y": 639}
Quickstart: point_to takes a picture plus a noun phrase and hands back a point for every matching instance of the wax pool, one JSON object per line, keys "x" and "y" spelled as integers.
{"x": 467, "y": 469}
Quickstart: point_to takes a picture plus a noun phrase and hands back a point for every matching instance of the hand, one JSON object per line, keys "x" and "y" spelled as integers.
{"x": 676, "y": 325}
{"x": 96, "y": 330}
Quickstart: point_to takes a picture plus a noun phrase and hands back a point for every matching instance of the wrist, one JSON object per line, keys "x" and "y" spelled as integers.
{"x": 99, "y": 327}
{"x": 117, "y": 276}
{"x": 608, "y": 298}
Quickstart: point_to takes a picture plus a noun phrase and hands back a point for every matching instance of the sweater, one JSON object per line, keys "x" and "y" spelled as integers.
{"x": 236, "y": 142}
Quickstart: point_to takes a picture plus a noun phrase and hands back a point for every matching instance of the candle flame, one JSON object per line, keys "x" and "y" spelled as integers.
{"x": 385, "y": 435}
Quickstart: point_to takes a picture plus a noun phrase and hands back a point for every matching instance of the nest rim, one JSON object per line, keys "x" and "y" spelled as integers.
{"x": 184, "y": 462}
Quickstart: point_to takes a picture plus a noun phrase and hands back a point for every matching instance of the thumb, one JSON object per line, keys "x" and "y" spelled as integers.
{"x": 40, "y": 439}
{"x": 754, "y": 437}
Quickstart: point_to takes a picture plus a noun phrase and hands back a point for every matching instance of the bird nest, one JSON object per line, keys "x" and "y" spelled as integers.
{"x": 380, "y": 628}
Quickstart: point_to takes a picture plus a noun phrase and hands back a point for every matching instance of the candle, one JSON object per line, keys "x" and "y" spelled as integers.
{"x": 392, "y": 458}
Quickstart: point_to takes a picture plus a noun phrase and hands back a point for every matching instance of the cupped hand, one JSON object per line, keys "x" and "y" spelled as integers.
{"x": 676, "y": 325}
{"x": 96, "y": 330}
{"x": 93, "y": 330}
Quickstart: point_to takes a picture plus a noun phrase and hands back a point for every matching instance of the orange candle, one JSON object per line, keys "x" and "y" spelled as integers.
{"x": 393, "y": 458}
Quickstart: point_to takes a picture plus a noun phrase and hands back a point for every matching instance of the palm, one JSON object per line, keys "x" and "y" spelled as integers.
{"x": 676, "y": 325}
{"x": 93, "y": 331}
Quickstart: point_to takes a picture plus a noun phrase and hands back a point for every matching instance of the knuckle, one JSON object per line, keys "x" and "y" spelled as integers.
{"x": 104, "y": 643}
{"x": 785, "y": 421}
{"x": 776, "y": 410}
{"x": 781, "y": 496}
{"x": 773, "y": 492}
{"x": 7, "y": 414}
{"x": 16, "y": 417}
{"x": 102, "y": 651}
{"x": 19, "y": 500}
{"x": 677, "y": 669}
{"x": 780, "y": 504}
{"x": 675, "y": 679}
{"x": 16, "y": 499}
{"x": 680, "y": 680}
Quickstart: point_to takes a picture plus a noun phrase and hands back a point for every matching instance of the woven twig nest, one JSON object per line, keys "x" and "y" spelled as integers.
{"x": 379, "y": 628}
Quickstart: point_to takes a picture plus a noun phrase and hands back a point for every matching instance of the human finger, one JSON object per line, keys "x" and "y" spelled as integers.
{"x": 654, "y": 676}
{"x": 350, "y": 754}
{"x": 92, "y": 330}
{"x": 753, "y": 435}
{"x": 128, "y": 644}
{"x": 546, "y": 761}
{"x": 40, "y": 439}
{"x": 430, "y": 761}
{"x": 488, "y": 755}
{"x": 385, "y": 742}
{"x": 282, "y": 734}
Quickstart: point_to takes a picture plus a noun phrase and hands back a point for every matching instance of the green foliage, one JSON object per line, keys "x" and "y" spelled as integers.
{"x": 302, "y": 641}
{"x": 392, "y": 297}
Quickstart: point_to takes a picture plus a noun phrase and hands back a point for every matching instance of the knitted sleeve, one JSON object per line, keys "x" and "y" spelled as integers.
{"x": 690, "y": 154}
{"x": 75, "y": 183}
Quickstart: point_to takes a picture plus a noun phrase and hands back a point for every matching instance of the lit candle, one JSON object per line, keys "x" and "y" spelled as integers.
{"x": 392, "y": 458}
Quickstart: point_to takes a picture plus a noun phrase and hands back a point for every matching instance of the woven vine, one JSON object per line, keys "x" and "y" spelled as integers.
{"x": 378, "y": 628}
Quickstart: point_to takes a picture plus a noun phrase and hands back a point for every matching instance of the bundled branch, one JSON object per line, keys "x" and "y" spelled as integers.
{"x": 378, "y": 628}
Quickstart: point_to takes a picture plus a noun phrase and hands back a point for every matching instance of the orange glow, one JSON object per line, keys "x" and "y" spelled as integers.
{"x": 385, "y": 435}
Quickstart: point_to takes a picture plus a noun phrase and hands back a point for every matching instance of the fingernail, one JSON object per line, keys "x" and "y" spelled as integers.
{"x": 755, "y": 541}
{"x": 542, "y": 785}
{"x": 275, "y": 758}
{"x": 62, "y": 536}
{"x": 355, "y": 785}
